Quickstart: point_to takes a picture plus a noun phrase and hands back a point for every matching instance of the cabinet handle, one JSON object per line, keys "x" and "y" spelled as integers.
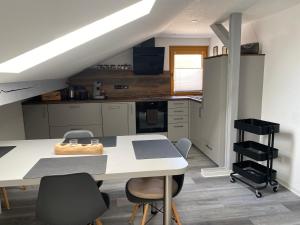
{"x": 44, "y": 112}
{"x": 200, "y": 112}
{"x": 210, "y": 148}
{"x": 178, "y": 126}
{"x": 74, "y": 106}
{"x": 178, "y": 118}
{"x": 114, "y": 107}
{"x": 75, "y": 129}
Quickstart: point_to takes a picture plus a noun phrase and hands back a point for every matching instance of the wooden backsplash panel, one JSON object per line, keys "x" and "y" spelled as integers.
{"x": 138, "y": 85}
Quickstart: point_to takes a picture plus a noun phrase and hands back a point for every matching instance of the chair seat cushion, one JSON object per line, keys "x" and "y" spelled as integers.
{"x": 149, "y": 187}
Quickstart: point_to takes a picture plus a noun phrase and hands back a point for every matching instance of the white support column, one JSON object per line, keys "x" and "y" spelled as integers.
{"x": 234, "y": 57}
{"x": 234, "y": 48}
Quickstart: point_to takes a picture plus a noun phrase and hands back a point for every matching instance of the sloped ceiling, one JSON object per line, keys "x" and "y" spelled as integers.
{"x": 27, "y": 24}
{"x": 207, "y": 12}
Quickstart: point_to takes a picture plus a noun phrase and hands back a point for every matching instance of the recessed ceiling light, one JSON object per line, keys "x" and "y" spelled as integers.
{"x": 195, "y": 21}
{"x": 76, "y": 38}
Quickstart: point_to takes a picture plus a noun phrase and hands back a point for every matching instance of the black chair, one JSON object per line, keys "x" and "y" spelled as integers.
{"x": 77, "y": 134}
{"x": 70, "y": 200}
{"x": 147, "y": 191}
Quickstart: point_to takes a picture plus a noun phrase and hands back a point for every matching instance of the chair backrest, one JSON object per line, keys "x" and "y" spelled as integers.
{"x": 184, "y": 145}
{"x": 79, "y": 134}
{"x": 69, "y": 199}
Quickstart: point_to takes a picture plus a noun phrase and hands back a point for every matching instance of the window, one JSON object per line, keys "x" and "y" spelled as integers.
{"x": 186, "y": 69}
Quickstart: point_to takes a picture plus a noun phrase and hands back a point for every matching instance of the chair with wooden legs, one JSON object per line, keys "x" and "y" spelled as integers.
{"x": 70, "y": 199}
{"x": 143, "y": 192}
{"x": 5, "y": 198}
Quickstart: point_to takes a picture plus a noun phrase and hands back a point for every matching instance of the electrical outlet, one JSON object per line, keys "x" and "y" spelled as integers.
{"x": 120, "y": 86}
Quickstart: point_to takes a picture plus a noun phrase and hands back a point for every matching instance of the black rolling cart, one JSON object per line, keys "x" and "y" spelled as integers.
{"x": 250, "y": 172}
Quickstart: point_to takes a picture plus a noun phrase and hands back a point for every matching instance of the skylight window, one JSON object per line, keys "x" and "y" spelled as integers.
{"x": 76, "y": 38}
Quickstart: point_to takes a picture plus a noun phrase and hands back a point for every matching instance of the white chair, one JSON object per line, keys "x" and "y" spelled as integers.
{"x": 79, "y": 134}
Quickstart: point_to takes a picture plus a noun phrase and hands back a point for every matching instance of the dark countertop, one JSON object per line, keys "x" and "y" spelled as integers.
{"x": 137, "y": 99}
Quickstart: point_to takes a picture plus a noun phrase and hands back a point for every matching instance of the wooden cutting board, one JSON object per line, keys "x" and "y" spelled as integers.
{"x": 78, "y": 149}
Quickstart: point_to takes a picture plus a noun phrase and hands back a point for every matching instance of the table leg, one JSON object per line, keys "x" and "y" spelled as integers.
{"x": 168, "y": 201}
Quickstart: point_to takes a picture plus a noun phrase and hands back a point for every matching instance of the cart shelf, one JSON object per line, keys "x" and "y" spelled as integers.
{"x": 253, "y": 171}
{"x": 255, "y": 150}
{"x": 255, "y": 126}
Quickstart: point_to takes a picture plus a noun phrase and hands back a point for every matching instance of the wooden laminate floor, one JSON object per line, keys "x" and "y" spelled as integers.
{"x": 203, "y": 201}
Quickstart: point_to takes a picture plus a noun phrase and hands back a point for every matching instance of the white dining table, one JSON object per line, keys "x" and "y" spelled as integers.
{"x": 121, "y": 164}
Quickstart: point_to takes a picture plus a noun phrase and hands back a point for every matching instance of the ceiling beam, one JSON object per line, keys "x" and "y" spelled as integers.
{"x": 221, "y": 32}
{"x": 13, "y": 92}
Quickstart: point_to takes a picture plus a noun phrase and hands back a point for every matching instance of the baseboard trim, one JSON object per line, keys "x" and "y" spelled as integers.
{"x": 215, "y": 172}
{"x": 287, "y": 186}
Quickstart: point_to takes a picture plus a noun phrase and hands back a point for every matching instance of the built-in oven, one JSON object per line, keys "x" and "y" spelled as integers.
{"x": 151, "y": 116}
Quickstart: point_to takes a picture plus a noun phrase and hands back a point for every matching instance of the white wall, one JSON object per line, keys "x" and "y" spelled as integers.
{"x": 122, "y": 58}
{"x": 125, "y": 57}
{"x": 11, "y": 122}
{"x": 279, "y": 36}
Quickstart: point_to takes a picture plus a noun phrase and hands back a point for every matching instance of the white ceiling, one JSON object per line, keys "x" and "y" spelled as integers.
{"x": 207, "y": 12}
{"x": 27, "y": 24}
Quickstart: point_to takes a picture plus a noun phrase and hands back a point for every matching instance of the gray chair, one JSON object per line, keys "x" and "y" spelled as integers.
{"x": 70, "y": 199}
{"x": 78, "y": 134}
{"x": 147, "y": 191}
{"x": 184, "y": 145}
{"x": 81, "y": 134}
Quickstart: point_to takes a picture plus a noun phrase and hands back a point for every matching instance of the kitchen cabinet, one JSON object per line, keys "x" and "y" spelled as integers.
{"x": 209, "y": 137}
{"x": 65, "y": 117}
{"x": 177, "y": 131}
{"x": 115, "y": 119}
{"x": 36, "y": 121}
{"x": 131, "y": 118}
{"x": 178, "y": 119}
{"x": 195, "y": 122}
{"x": 59, "y": 131}
{"x": 74, "y": 114}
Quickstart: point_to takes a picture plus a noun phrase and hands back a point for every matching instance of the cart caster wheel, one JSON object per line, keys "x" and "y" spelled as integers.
{"x": 275, "y": 189}
{"x": 154, "y": 212}
{"x": 258, "y": 194}
{"x": 232, "y": 180}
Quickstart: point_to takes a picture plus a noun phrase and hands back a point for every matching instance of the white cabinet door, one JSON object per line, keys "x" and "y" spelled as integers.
{"x": 131, "y": 118}
{"x": 195, "y": 122}
{"x": 177, "y": 131}
{"x": 214, "y": 109}
{"x": 178, "y": 119}
{"x": 36, "y": 121}
{"x": 178, "y": 104}
{"x": 59, "y": 131}
{"x": 115, "y": 119}
{"x": 74, "y": 114}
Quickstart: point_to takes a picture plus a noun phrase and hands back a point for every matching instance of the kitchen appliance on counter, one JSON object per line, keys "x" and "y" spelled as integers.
{"x": 77, "y": 93}
{"x": 151, "y": 116}
{"x": 98, "y": 92}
